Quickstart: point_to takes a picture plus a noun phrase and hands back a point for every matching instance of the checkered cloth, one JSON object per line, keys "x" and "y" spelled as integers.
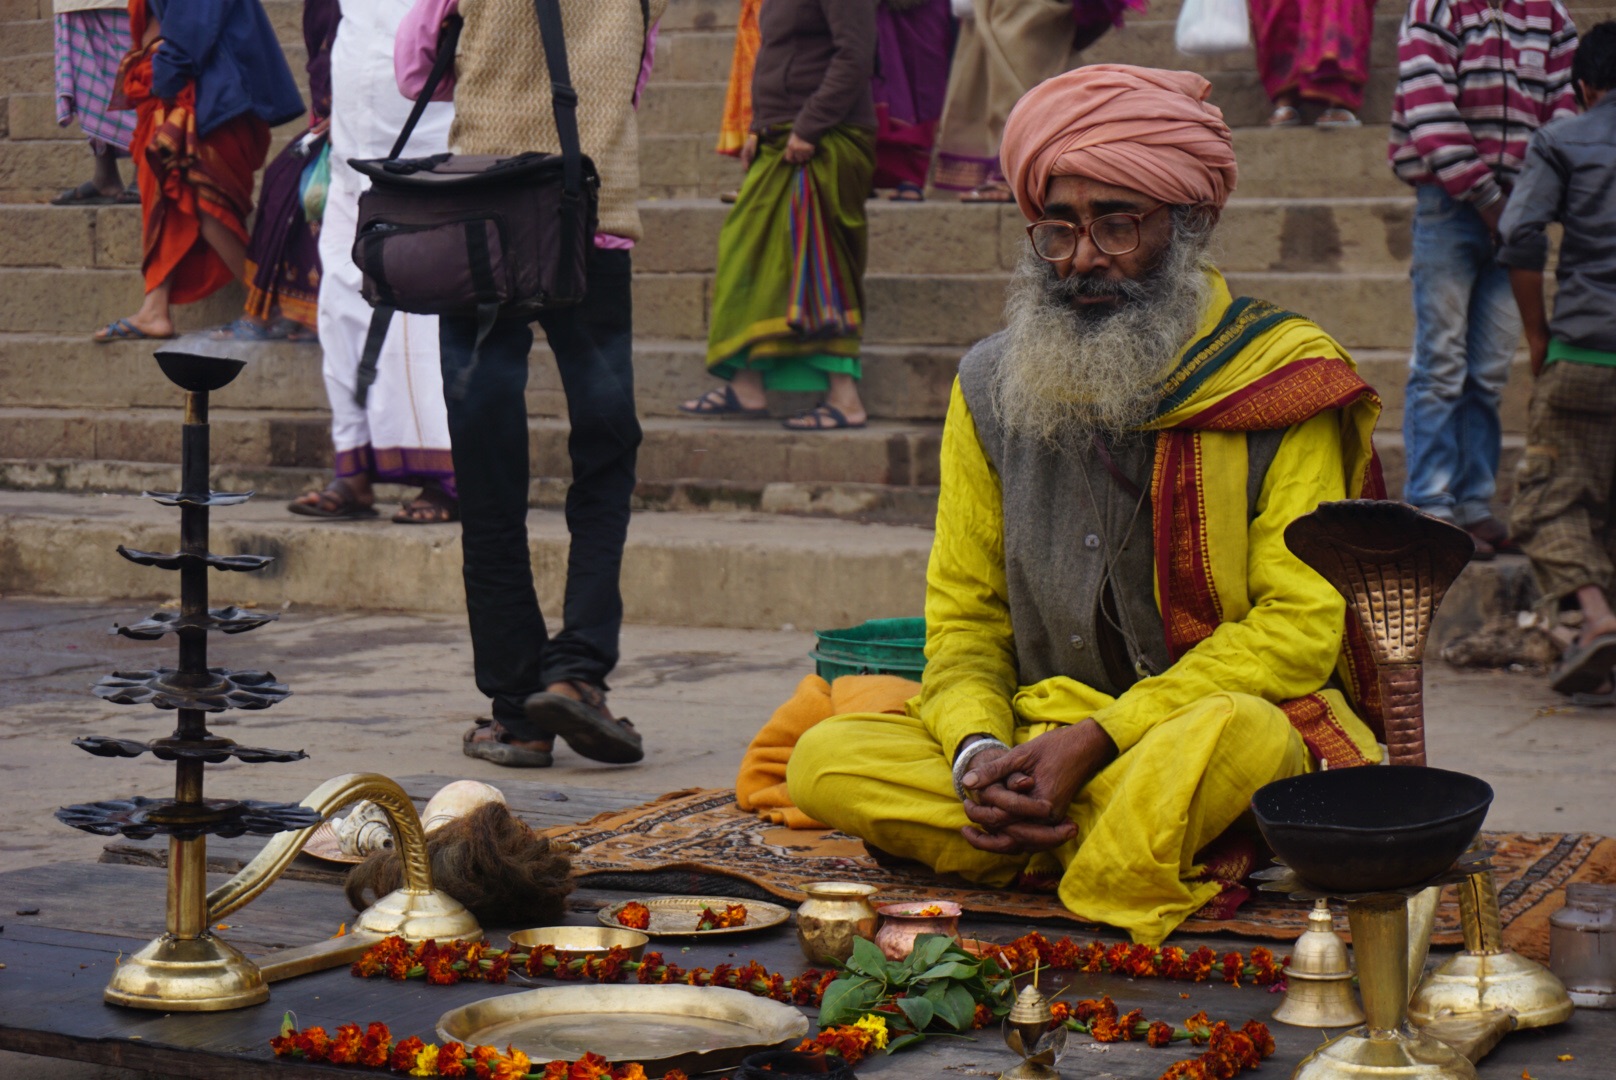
{"x": 1561, "y": 514}
{"x": 89, "y": 47}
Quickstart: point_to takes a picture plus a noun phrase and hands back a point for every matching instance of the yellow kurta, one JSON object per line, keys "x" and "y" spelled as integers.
{"x": 1194, "y": 742}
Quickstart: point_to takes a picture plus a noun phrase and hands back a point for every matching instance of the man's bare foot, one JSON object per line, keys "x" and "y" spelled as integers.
{"x": 1594, "y": 629}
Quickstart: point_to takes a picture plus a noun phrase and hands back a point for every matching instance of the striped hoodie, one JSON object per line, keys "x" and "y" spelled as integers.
{"x": 1474, "y": 81}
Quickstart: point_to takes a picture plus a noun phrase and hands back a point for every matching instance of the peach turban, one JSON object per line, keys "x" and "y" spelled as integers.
{"x": 1142, "y": 128}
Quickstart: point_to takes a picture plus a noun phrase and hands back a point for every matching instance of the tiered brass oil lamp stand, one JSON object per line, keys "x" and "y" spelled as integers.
{"x": 189, "y": 968}
{"x": 1394, "y": 566}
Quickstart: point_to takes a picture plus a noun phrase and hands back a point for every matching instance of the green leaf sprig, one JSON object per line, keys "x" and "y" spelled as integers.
{"x": 936, "y": 989}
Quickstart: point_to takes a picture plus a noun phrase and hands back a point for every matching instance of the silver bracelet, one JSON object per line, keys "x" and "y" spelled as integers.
{"x": 963, "y": 762}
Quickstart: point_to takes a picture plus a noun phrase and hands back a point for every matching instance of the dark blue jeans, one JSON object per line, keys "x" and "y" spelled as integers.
{"x": 513, "y": 654}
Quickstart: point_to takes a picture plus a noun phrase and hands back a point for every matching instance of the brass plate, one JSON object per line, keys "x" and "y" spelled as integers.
{"x": 580, "y": 940}
{"x": 675, "y": 916}
{"x": 694, "y": 1028}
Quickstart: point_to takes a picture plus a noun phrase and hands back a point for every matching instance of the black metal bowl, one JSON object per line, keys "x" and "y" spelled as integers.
{"x": 1371, "y": 828}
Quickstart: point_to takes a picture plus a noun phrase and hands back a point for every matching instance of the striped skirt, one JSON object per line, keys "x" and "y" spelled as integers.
{"x": 89, "y": 47}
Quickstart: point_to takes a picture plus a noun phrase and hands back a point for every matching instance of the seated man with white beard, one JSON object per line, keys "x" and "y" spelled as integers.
{"x": 1121, "y": 649}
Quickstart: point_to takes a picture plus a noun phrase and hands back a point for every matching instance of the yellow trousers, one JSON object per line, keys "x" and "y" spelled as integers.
{"x": 1140, "y": 821}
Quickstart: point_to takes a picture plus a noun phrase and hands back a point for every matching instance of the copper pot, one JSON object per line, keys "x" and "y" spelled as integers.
{"x": 902, "y": 923}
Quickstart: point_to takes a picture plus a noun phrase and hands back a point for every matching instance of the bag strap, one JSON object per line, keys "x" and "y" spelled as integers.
{"x": 448, "y": 41}
{"x": 563, "y": 98}
{"x": 375, "y": 338}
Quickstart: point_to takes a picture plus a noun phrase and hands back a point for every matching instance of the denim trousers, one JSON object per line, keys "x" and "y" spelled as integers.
{"x": 1466, "y": 331}
{"x": 512, "y": 653}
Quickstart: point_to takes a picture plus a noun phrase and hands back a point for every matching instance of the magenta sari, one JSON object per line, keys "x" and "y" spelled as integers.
{"x": 1316, "y": 48}
{"x": 913, "y": 47}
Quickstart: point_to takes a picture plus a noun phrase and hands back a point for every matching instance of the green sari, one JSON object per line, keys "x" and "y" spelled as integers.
{"x": 788, "y": 299}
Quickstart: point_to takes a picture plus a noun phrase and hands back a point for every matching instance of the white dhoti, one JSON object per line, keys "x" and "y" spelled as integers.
{"x": 401, "y": 434}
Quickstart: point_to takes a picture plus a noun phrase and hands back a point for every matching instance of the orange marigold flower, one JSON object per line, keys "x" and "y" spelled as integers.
{"x": 634, "y": 915}
{"x": 1190, "y": 1069}
{"x": 452, "y": 1059}
{"x": 499, "y": 968}
{"x": 1199, "y": 1027}
{"x": 632, "y": 1071}
{"x": 555, "y": 1070}
{"x": 1104, "y": 1029}
{"x": 1059, "y": 1010}
{"x": 1233, "y": 966}
{"x": 590, "y": 1067}
{"x": 733, "y": 915}
{"x": 1260, "y": 1037}
{"x": 1128, "y": 1024}
{"x": 1160, "y": 1034}
{"x": 1199, "y": 963}
{"x": 405, "y": 1051}
{"x": 983, "y": 1016}
{"x": 512, "y": 1065}
{"x": 484, "y": 1058}
{"x": 373, "y": 1050}
{"x": 313, "y": 1043}
{"x": 346, "y": 1046}
{"x": 676, "y": 1074}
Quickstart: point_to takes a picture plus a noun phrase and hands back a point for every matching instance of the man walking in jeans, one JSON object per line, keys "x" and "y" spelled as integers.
{"x": 543, "y": 686}
{"x": 1475, "y": 79}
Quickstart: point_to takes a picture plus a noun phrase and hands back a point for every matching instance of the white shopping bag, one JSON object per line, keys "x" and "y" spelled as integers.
{"x": 1212, "y": 26}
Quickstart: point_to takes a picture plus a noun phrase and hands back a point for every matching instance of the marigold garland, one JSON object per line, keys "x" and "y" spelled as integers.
{"x": 374, "y": 1048}
{"x": 733, "y": 915}
{"x": 1034, "y": 950}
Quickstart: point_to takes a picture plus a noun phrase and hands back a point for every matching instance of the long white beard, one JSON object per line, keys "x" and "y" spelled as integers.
{"x": 1073, "y": 371}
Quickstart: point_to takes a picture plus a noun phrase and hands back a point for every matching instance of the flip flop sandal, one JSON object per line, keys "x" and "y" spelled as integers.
{"x": 501, "y": 752}
{"x": 442, "y": 513}
{"x": 989, "y": 193}
{"x": 86, "y": 194}
{"x": 284, "y": 329}
{"x": 725, "y": 404}
{"x": 1337, "y": 120}
{"x": 1285, "y": 116}
{"x": 1594, "y": 700}
{"x": 1586, "y": 667}
{"x": 346, "y": 506}
{"x": 129, "y": 197}
{"x": 586, "y": 725}
{"x": 819, "y": 414}
{"x": 124, "y": 330}
{"x": 907, "y": 192}
{"x": 243, "y": 329}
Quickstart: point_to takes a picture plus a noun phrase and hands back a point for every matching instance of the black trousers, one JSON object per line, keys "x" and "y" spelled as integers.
{"x": 513, "y": 653}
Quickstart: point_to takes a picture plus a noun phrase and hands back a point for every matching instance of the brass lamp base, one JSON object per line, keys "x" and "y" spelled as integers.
{"x": 1030, "y": 1070}
{"x": 202, "y": 974}
{"x": 1472, "y": 983}
{"x": 418, "y": 915}
{"x": 1403, "y": 1054}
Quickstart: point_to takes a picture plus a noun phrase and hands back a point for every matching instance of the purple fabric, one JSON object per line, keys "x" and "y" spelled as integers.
{"x": 320, "y": 19}
{"x": 1092, "y": 18}
{"x": 284, "y": 254}
{"x": 913, "y": 49}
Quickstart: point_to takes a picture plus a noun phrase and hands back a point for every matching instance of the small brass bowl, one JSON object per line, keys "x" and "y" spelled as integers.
{"x": 582, "y": 939}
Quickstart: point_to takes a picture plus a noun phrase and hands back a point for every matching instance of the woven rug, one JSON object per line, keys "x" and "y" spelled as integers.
{"x": 698, "y": 842}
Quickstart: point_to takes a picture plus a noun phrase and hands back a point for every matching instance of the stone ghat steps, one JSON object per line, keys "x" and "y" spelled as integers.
{"x": 1368, "y": 310}
{"x": 751, "y": 571}
{"x": 1365, "y": 235}
{"x": 749, "y": 453}
{"x": 891, "y": 504}
{"x": 901, "y": 383}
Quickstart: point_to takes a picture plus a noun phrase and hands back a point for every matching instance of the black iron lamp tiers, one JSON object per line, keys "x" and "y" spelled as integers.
{"x": 188, "y": 968}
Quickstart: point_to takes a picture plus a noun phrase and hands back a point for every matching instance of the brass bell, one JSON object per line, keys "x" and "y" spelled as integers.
{"x": 1030, "y": 1031}
{"x": 1319, "y": 978}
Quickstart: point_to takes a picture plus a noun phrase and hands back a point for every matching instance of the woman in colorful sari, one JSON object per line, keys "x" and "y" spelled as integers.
{"x": 1007, "y": 47}
{"x": 914, "y": 39}
{"x": 207, "y": 81}
{"x": 283, "y": 259}
{"x": 1314, "y": 52}
{"x": 789, "y": 296}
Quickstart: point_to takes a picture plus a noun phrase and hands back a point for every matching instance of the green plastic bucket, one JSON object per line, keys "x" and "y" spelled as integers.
{"x": 877, "y": 647}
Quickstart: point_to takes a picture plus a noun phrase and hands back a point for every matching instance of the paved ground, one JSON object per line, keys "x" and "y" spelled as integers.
{"x": 392, "y": 693}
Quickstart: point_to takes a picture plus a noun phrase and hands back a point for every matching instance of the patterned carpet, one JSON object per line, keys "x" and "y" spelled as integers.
{"x": 698, "y": 842}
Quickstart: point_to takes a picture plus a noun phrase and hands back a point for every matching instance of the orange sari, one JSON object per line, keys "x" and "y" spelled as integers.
{"x": 737, "y": 122}
{"x": 183, "y": 176}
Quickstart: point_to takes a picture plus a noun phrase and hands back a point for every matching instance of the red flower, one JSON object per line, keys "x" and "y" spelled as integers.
{"x": 634, "y": 915}
{"x": 589, "y": 1067}
{"x": 983, "y": 1016}
{"x": 1128, "y": 1024}
{"x": 373, "y": 1051}
{"x": 404, "y": 1053}
{"x": 1191, "y": 1069}
{"x": 1260, "y": 1037}
{"x": 1059, "y": 1010}
{"x": 346, "y": 1046}
{"x": 484, "y": 1060}
{"x": 313, "y": 1043}
{"x": 452, "y": 1060}
{"x": 499, "y": 968}
{"x": 1199, "y": 1027}
{"x": 1233, "y": 965}
{"x": 1160, "y": 1034}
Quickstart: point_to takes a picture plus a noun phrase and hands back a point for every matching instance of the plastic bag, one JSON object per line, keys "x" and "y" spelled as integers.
{"x": 315, "y": 181}
{"x": 1212, "y": 26}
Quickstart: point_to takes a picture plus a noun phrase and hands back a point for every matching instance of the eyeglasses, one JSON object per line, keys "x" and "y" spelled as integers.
{"x": 1114, "y": 234}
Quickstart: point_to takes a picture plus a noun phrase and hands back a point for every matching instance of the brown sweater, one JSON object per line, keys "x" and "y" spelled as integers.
{"x": 814, "y": 66}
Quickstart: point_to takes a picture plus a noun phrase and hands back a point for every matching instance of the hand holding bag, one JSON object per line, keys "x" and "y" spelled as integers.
{"x": 476, "y": 236}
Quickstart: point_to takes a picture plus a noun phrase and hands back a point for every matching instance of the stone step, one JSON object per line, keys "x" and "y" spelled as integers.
{"x": 68, "y": 371}
{"x": 750, "y": 453}
{"x": 81, "y": 301}
{"x": 879, "y": 503}
{"x": 681, "y": 236}
{"x": 750, "y": 571}
{"x": 27, "y": 36}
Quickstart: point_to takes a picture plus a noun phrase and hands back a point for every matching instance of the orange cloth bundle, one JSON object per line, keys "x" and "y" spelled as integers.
{"x": 761, "y": 784}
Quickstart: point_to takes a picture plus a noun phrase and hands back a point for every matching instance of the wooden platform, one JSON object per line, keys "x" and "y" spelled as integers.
{"x": 58, "y": 960}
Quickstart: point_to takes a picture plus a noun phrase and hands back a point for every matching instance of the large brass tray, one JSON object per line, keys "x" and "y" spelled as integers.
{"x": 694, "y": 1028}
{"x": 676, "y": 916}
